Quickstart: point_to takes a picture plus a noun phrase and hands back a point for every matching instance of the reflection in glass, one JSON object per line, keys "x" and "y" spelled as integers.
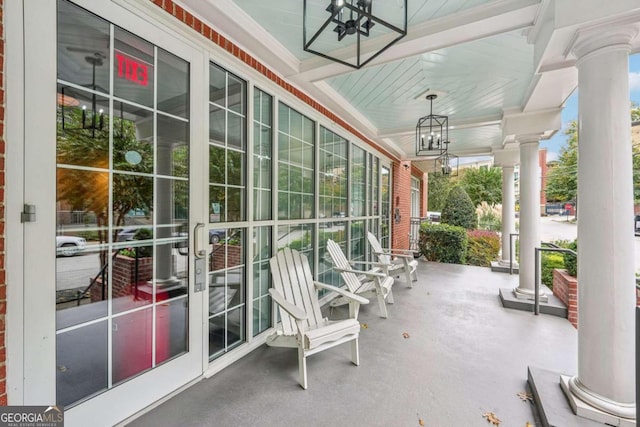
{"x": 235, "y": 168}
{"x": 217, "y": 85}
{"x": 132, "y": 275}
{"x": 81, "y": 362}
{"x": 132, "y": 138}
{"x": 133, "y": 68}
{"x": 337, "y": 232}
{"x": 173, "y": 84}
{"x": 235, "y": 131}
{"x": 173, "y": 143}
{"x": 132, "y": 335}
{"x": 298, "y": 237}
{"x": 226, "y": 285}
{"x": 358, "y": 241}
{"x": 262, "y": 155}
{"x": 386, "y": 206}
{"x": 171, "y": 329}
{"x": 131, "y": 192}
{"x": 261, "y": 279}
{"x": 236, "y": 94}
{"x": 172, "y": 271}
{"x": 217, "y": 125}
{"x": 358, "y": 182}
{"x": 82, "y": 128}
{"x": 83, "y": 48}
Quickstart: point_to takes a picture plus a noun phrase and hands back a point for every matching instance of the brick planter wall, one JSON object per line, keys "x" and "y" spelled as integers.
{"x": 565, "y": 287}
{"x": 124, "y": 276}
{"x": 222, "y": 252}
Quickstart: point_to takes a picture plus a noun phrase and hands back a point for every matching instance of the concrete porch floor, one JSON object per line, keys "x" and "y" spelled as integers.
{"x": 465, "y": 355}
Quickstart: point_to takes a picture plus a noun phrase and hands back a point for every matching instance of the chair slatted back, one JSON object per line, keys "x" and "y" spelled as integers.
{"x": 377, "y": 247}
{"x": 292, "y": 278}
{"x": 341, "y": 261}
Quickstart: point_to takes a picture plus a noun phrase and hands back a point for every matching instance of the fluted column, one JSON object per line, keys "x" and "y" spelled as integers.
{"x": 508, "y": 212}
{"x": 606, "y": 298}
{"x": 529, "y": 216}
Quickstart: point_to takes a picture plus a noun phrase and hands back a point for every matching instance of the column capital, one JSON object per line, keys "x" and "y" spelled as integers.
{"x": 590, "y": 40}
{"x": 506, "y": 157}
{"x": 528, "y": 139}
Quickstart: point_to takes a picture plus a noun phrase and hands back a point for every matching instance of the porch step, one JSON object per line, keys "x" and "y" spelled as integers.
{"x": 496, "y": 267}
{"x": 554, "y": 306}
{"x": 551, "y": 403}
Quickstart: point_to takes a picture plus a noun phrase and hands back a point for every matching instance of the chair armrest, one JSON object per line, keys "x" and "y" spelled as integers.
{"x": 294, "y": 311}
{"x": 344, "y": 293}
{"x": 366, "y": 273}
{"x": 377, "y": 264}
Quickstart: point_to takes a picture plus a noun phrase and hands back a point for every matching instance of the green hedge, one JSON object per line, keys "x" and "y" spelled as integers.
{"x": 482, "y": 247}
{"x": 549, "y": 262}
{"x": 570, "y": 261}
{"x": 443, "y": 243}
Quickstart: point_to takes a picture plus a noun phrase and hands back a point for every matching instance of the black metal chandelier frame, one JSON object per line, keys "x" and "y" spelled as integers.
{"x": 351, "y": 17}
{"x": 432, "y": 132}
{"x": 446, "y": 163}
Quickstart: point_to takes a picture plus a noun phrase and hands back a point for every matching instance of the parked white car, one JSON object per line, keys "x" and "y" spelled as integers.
{"x": 69, "y": 245}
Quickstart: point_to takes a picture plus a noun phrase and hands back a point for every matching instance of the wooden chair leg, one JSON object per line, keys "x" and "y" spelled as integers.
{"x": 390, "y": 299}
{"x": 407, "y": 273}
{"x": 302, "y": 367}
{"x": 355, "y": 352}
{"x": 382, "y": 305}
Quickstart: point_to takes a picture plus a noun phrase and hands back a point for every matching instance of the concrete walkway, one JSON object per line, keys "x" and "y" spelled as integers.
{"x": 465, "y": 356}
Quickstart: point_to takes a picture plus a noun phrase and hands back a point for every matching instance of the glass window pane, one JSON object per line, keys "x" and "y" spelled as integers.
{"x": 217, "y": 205}
{"x": 217, "y": 85}
{"x": 132, "y": 351}
{"x": 173, "y": 143}
{"x": 173, "y": 84}
{"x": 236, "y": 94}
{"x": 235, "y": 204}
{"x": 81, "y": 373}
{"x": 131, "y": 192}
{"x": 132, "y": 138}
{"x": 235, "y": 131}
{"x": 217, "y": 165}
{"x": 133, "y": 68}
{"x": 83, "y": 128}
{"x": 83, "y": 48}
{"x": 171, "y": 329}
{"x": 235, "y": 168}
{"x": 132, "y": 276}
{"x": 83, "y": 191}
{"x": 217, "y": 126}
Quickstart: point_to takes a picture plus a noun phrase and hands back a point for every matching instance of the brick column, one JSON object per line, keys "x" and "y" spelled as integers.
{"x": 401, "y": 203}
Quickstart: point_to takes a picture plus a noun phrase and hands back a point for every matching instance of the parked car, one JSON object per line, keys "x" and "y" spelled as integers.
{"x": 69, "y": 245}
{"x": 215, "y": 235}
{"x": 637, "y": 224}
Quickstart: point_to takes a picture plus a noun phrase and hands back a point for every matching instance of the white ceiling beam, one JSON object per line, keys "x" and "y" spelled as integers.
{"x": 476, "y": 23}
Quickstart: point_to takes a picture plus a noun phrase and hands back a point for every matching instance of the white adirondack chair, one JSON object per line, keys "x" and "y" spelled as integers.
{"x": 365, "y": 283}
{"x": 303, "y": 326}
{"x": 404, "y": 261}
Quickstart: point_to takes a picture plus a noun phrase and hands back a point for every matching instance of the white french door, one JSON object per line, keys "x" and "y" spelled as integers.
{"x": 115, "y": 169}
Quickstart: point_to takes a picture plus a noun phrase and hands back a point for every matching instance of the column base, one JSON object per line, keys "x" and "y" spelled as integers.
{"x": 499, "y": 267}
{"x": 528, "y": 294}
{"x": 589, "y": 405}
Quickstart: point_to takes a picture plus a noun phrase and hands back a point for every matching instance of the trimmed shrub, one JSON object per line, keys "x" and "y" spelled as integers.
{"x": 570, "y": 260}
{"x": 482, "y": 247}
{"x": 549, "y": 262}
{"x": 459, "y": 210}
{"x": 443, "y": 243}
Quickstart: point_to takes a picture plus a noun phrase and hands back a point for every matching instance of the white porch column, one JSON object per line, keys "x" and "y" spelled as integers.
{"x": 529, "y": 216}
{"x": 508, "y": 212}
{"x": 606, "y": 297}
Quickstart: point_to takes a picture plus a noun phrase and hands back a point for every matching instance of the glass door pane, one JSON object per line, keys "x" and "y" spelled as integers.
{"x": 122, "y": 193}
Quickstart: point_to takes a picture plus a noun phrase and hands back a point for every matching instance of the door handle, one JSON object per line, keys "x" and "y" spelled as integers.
{"x": 199, "y": 253}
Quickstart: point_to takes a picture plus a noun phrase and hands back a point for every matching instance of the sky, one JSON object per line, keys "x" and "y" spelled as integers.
{"x": 570, "y": 110}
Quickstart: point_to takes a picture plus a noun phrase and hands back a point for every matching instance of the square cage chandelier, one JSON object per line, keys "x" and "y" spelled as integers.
{"x": 432, "y": 132}
{"x": 446, "y": 164}
{"x": 343, "y": 24}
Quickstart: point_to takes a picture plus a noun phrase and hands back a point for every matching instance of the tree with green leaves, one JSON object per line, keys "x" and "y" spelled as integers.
{"x": 438, "y": 189}
{"x": 562, "y": 179}
{"x": 483, "y": 185}
{"x": 459, "y": 209}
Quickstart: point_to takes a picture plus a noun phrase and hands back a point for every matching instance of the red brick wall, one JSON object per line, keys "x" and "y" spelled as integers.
{"x": 3, "y": 282}
{"x": 401, "y": 200}
{"x": 424, "y": 194}
{"x": 124, "y": 276}
{"x": 565, "y": 287}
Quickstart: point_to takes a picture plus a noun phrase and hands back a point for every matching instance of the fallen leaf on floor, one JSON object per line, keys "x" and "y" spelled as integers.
{"x": 525, "y": 397}
{"x": 405, "y": 335}
{"x": 529, "y": 424}
{"x": 492, "y": 418}
{"x": 364, "y": 326}
{"x": 421, "y": 422}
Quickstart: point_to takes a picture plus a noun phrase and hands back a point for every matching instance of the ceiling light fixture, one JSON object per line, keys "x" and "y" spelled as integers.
{"x": 432, "y": 132}
{"x": 446, "y": 163}
{"x": 349, "y": 18}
